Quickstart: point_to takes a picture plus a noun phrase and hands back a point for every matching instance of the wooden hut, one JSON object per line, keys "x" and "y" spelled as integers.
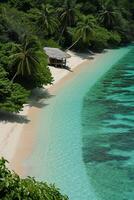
{"x": 56, "y": 57}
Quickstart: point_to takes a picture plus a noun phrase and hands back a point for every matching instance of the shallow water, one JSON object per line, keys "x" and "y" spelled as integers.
{"x": 77, "y": 145}
{"x": 108, "y": 132}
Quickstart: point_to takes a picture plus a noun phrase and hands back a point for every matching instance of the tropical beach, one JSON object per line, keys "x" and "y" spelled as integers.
{"x": 19, "y": 141}
{"x": 90, "y": 67}
{"x": 11, "y": 132}
{"x": 59, "y": 142}
{"x": 66, "y": 100}
{"x": 26, "y": 138}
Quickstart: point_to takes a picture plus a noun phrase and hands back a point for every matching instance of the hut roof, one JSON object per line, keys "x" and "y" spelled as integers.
{"x": 56, "y": 53}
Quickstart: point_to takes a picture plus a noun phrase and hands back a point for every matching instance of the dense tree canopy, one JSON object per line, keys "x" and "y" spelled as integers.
{"x": 48, "y": 19}
{"x": 26, "y": 26}
{"x": 12, "y": 95}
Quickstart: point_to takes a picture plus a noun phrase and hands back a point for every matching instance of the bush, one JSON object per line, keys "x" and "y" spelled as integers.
{"x": 12, "y": 187}
{"x": 12, "y": 95}
{"x": 50, "y": 43}
{"x": 100, "y": 38}
{"x": 114, "y": 39}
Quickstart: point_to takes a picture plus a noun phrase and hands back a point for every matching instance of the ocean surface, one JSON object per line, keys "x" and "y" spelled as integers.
{"x": 85, "y": 142}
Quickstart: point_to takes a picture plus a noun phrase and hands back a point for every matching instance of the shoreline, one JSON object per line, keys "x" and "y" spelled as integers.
{"x": 23, "y": 148}
{"x": 17, "y": 139}
{"x": 23, "y": 144}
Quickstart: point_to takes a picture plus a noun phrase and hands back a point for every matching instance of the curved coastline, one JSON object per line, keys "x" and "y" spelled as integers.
{"x": 25, "y": 134}
{"x": 37, "y": 148}
{"x": 107, "y": 122}
{"x": 57, "y": 155}
{"x": 26, "y": 138}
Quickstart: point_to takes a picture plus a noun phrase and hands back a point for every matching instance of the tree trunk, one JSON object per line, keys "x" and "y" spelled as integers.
{"x": 62, "y": 32}
{"x": 73, "y": 44}
{"x": 12, "y": 80}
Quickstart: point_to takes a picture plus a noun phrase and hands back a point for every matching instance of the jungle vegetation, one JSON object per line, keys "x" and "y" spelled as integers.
{"x": 25, "y": 28}
{"x": 29, "y": 25}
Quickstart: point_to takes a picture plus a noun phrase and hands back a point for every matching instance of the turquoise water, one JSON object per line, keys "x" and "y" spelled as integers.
{"x": 78, "y": 146}
{"x": 108, "y": 132}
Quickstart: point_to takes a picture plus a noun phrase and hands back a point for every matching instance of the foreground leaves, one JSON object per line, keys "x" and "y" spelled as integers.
{"x": 13, "y": 187}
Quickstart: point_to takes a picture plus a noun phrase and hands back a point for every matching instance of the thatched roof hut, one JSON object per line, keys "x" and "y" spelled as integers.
{"x": 56, "y": 56}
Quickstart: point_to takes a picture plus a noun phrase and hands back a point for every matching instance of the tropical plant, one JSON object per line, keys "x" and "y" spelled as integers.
{"x": 45, "y": 19}
{"x": 25, "y": 60}
{"x": 22, "y": 5}
{"x": 114, "y": 39}
{"x": 12, "y": 95}
{"x": 100, "y": 38}
{"x": 13, "y": 187}
{"x": 14, "y": 24}
{"x": 53, "y": 23}
{"x": 108, "y": 14}
{"x": 84, "y": 29}
{"x": 67, "y": 14}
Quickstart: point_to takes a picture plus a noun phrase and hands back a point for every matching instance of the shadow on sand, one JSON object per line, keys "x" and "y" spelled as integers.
{"x": 37, "y": 99}
{"x": 13, "y": 117}
{"x": 64, "y": 67}
{"x": 87, "y": 55}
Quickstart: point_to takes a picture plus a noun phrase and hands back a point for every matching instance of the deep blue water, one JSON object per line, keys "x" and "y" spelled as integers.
{"x": 108, "y": 132}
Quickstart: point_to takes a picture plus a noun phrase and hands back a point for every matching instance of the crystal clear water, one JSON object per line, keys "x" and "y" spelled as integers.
{"x": 108, "y": 132}
{"x": 84, "y": 143}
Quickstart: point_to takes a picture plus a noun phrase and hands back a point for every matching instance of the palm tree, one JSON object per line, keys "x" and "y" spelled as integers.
{"x": 67, "y": 14}
{"x": 84, "y": 29}
{"x": 108, "y": 14}
{"x": 47, "y": 19}
{"x": 25, "y": 61}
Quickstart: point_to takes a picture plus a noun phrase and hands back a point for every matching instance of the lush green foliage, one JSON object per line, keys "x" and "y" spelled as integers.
{"x": 13, "y": 187}
{"x": 29, "y": 63}
{"x": 25, "y": 66}
{"x": 46, "y": 18}
{"x": 12, "y": 95}
{"x": 27, "y": 26}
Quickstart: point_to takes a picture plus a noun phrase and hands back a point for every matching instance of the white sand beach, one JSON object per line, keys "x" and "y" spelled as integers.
{"x": 18, "y": 129}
